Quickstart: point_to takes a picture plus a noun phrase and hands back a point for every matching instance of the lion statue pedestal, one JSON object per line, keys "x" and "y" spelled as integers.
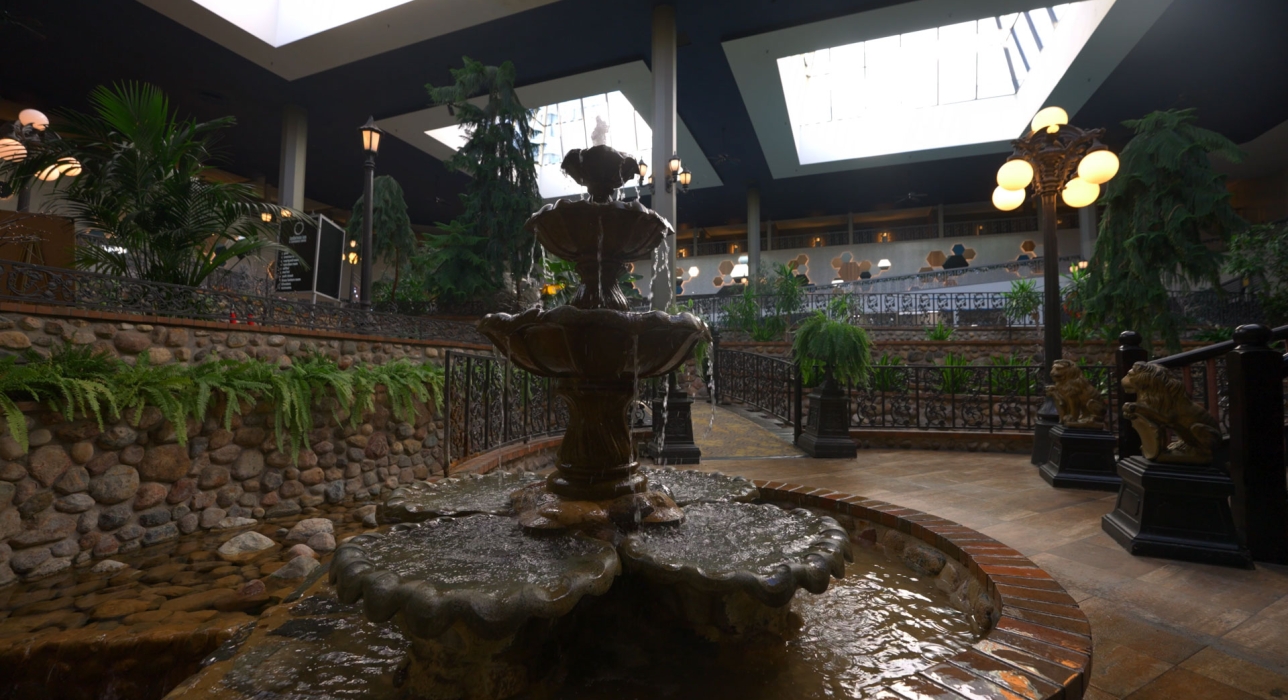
{"x": 1175, "y": 500}
{"x": 1081, "y": 455}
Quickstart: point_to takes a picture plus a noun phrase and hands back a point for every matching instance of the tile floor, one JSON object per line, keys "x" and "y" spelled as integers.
{"x": 1161, "y": 629}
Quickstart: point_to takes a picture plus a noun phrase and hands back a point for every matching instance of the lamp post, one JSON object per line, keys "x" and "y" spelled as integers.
{"x": 1057, "y": 159}
{"x": 370, "y": 146}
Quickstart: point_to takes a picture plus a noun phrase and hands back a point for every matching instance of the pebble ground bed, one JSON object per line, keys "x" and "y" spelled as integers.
{"x": 136, "y": 625}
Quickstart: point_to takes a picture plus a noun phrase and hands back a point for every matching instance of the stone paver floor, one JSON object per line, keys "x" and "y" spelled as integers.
{"x": 1161, "y": 629}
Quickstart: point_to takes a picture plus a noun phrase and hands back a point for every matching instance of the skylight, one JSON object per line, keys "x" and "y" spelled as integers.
{"x": 573, "y": 124}
{"x": 966, "y": 83}
{"x": 280, "y": 22}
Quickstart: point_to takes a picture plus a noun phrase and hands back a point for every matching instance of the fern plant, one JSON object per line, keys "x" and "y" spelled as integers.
{"x": 236, "y": 382}
{"x": 824, "y": 346}
{"x": 168, "y": 388}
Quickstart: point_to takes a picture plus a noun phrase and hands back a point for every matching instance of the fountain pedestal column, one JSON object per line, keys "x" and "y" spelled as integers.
{"x": 595, "y": 461}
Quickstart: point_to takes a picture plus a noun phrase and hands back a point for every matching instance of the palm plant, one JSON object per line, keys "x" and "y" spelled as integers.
{"x": 147, "y": 187}
{"x": 1167, "y": 215}
{"x": 500, "y": 158}
{"x": 1022, "y": 301}
{"x": 392, "y": 239}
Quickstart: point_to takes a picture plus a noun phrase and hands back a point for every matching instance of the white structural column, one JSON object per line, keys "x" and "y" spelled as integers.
{"x": 295, "y": 141}
{"x": 753, "y": 233}
{"x": 664, "y": 142}
{"x": 1087, "y": 230}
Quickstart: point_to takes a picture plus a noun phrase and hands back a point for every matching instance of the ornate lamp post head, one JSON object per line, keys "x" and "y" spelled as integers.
{"x": 1055, "y": 157}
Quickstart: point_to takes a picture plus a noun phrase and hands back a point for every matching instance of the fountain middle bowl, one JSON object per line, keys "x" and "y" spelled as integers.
{"x": 595, "y": 344}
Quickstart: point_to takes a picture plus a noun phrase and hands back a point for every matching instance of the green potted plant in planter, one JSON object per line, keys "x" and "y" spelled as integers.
{"x": 830, "y": 353}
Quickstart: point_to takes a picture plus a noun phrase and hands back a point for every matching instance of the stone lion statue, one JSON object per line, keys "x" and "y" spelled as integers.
{"x": 1161, "y": 404}
{"x": 1077, "y": 401}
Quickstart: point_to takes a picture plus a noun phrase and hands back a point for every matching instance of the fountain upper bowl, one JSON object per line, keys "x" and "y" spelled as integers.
{"x": 581, "y": 230}
{"x": 595, "y": 344}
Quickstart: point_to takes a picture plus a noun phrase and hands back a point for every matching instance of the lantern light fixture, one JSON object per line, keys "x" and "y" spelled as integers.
{"x": 266, "y": 217}
{"x": 371, "y": 136}
{"x": 12, "y": 150}
{"x": 643, "y": 168}
{"x": 1078, "y": 193}
{"x": 286, "y": 213}
{"x": 673, "y": 165}
{"x": 1007, "y": 200}
{"x": 1098, "y": 167}
{"x": 1050, "y": 118}
{"x": 33, "y": 118}
{"x": 1015, "y": 174}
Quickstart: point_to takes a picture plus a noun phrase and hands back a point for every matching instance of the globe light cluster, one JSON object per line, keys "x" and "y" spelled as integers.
{"x": 1095, "y": 168}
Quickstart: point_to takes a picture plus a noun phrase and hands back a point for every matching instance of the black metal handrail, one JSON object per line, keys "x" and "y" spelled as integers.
{"x": 770, "y": 384}
{"x": 489, "y": 403}
{"x": 37, "y": 284}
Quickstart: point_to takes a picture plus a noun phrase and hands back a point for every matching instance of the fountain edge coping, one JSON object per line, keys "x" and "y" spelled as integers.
{"x": 1039, "y": 647}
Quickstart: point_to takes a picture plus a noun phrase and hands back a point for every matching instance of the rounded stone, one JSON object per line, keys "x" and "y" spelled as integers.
{"x": 82, "y": 452}
{"x": 249, "y": 464}
{"x": 300, "y": 550}
{"x": 131, "y": 342}
{"x": 35, "y": 504}
{"x": 132, "y": 455}
{"x": 312, "y": 477}
{"x": 213, "y": 477}
{"x": 167, "y": 463}
{"x": 149, "y": 495}
{"x": 115, "y": 485}
{"x": 39, "y": 436}
{"x": 14, "y": 340}
{"x": 245, "y": 546}
{"x": 307, "y": 528}
{"x": 322, "y": 542}
{"x": 112, "y": 518}
{"x": 75, "y": 503}
{"x": 48, "y": 463}
{"x": 118, "y": 437}
{"x": 182, "y": 491}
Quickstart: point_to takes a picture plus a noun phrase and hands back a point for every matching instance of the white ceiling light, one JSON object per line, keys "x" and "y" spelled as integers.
{"x": 280, "y": 22}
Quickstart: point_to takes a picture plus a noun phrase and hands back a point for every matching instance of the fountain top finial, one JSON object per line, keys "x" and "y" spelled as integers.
{"x": 600, "y": 169}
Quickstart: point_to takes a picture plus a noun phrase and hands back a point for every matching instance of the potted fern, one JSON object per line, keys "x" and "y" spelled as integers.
{"x": 829, "y": 353}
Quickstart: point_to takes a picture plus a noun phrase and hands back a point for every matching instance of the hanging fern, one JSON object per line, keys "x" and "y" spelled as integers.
{"x": 822, "y": 345}
{"x": 168, "y": 388}
{"x": 237, "y": 382}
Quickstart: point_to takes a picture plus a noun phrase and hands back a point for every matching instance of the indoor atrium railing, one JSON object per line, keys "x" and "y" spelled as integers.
{"x": 489, "y": 403}
{"x": 52, "y": 286}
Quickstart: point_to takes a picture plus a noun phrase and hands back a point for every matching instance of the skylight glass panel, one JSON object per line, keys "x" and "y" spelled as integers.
{"x": 573, "y": 124}
{"x": 893, "y": 86}
{"x": 280, "y": 22}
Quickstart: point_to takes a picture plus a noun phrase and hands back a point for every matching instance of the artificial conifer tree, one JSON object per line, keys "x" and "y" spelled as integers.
{"x": 1167, "y": 218}
{"x": 392, "y": 238}
{"x": 500, "y": 158}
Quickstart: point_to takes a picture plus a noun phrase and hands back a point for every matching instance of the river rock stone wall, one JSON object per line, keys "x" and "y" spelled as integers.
{"x": 164, "y": 344}
{"x": 81, "y": 493}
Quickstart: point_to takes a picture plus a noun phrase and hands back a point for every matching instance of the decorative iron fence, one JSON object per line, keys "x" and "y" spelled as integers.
{"x": 960, "y": 309}
{"x": 987, "y": 398}
{"x": 490, "y": 403}
{"x": 771, "y": 384}
{"x": 37, "y": 284}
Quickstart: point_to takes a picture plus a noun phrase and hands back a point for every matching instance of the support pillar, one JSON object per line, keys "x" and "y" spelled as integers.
{"x": 664, "y": 143}
{"x": 295, "y": 140}
{"x": 753, "y": 233}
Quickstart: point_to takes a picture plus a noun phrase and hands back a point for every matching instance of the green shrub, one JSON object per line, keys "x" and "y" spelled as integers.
{"x": 885, "y": 375}
{"x": 822, "y": 345}
{"x": 769, "y": 329}
{"x": 939, "y": 331}
{"x": 1010, "y": 375}
{"x": 1022, "y": 301}
{"x": 1215, "y": 334}
{"x": 954, "y": 377}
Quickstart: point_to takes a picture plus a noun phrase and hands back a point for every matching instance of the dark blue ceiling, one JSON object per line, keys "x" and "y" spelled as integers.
{"x": 1227, "y": 58}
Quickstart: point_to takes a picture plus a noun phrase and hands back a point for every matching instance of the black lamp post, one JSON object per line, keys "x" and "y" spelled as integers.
{"x": 370, "y": 146}
{"x": 1057, "y": 159}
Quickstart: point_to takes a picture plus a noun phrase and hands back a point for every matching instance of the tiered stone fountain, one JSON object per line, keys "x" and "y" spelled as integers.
{"x": 490, "y": 576}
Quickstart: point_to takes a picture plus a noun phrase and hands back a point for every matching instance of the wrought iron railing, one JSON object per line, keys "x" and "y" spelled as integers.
{"x": 960, "y": 309}
{"x": 490, "y": 403}
{"x": 36, "y": 284}
{"x": 771, "y": 384}
{"x": 982, "y": 398}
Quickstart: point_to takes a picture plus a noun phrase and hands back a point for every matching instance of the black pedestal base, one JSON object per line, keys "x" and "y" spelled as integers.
{"x": 675, "y": 424}
{"x": 1081, "y": 458}
{"x": 827, "y": 432}
{"x": 1176, "y": 512}
{"x": 1042, "y": 439}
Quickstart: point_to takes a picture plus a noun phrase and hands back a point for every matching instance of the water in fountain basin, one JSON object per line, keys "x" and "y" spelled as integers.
{"x": 711, "y": 390}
